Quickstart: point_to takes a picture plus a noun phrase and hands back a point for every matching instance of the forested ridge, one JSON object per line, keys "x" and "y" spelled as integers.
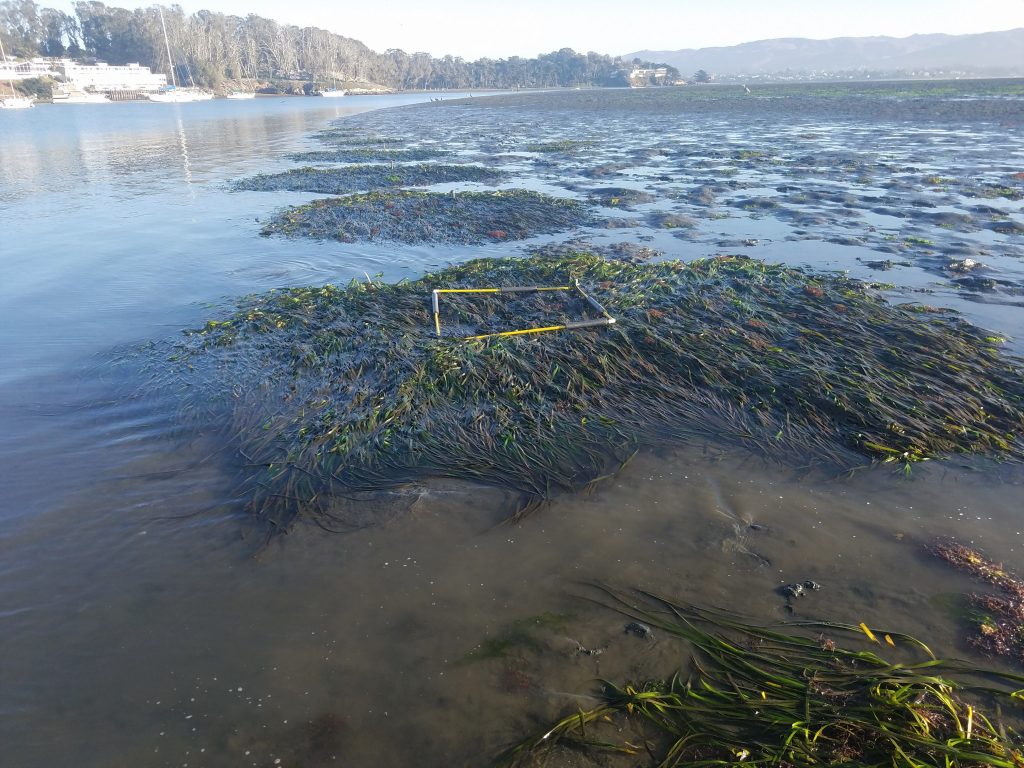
{"x": 214, "y": 47}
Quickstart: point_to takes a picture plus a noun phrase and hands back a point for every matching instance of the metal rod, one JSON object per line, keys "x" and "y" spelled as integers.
{"x": 606, "y": 320}
{"x": 566, "y": 327}
{"x": 516, "y": 333}
{"x": 593, "y": 302}
{"x": 589, "y": 323}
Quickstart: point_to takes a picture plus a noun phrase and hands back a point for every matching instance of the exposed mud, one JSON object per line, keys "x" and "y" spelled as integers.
{"x": 923, "y": 174}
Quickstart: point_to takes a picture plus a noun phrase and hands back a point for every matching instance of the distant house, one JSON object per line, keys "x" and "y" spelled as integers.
{"x": 640, "y": 78}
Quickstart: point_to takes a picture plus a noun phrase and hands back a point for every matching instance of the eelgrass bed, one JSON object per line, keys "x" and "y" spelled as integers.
{"x": 791, "y": 695}
{"x": 352, "y": 178}
{"x": 407, "y": 216}
{"x": 336, "y": 390}
{"x": 375, "y": 154}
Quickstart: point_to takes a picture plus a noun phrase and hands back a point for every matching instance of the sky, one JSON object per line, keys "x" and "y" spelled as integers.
{"x": 476, "y": 28}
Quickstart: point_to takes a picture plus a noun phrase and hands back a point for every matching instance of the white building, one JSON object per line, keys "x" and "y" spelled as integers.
{"x": 23, "y": 70}
{"x": 101, "y": 78}
{"x": 105, "y": 77}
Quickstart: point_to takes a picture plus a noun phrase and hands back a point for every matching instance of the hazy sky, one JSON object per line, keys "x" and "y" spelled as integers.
{"x": 476, "y": 28}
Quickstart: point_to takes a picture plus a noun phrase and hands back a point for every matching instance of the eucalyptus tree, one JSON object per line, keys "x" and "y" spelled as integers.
{"x": 21, "y": 26}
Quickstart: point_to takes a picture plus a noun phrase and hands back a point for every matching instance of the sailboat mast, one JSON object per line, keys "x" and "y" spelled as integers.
{"x": 10, "y": 78}
{"x": 167, "y": 45}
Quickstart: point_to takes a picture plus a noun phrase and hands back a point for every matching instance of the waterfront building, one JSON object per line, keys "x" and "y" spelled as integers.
{"x": 104, "y": 78}
{"x": 23, "y": 70}
{"x": 98, "y": 78}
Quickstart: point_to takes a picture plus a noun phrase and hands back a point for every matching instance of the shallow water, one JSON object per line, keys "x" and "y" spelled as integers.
{"x": 136, "y": 628}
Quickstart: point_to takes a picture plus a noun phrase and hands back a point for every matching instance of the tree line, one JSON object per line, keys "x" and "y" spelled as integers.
{"x": 209, "y": 48}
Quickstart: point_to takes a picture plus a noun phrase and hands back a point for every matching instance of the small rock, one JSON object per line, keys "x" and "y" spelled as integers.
{"x": 964, "y": 265}
{"x": 792, "y": 590}
{"x": 640, "y": 630}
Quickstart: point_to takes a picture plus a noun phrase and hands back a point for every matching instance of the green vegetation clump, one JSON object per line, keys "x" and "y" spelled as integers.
{"x": 519, "y": 636}
{"x": 663, "y": 220}
{"x": 763, "y": 696}
{"x": 352, "y": 178}
{"x": 40, "y": 87}
{"x": 348, "y": 137}
{"x": 995, "y": 190}
{"x": 459, "y": 218}
{"x": 620, "y": 197}
{"x": 346, "y": 389}
{"x": 998, "y": 618}
{"x": 565, "y": 145}
{"x": 368, "y": 155}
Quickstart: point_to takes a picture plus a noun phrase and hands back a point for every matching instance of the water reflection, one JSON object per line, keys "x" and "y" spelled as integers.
{"x": 100, "y": 246}
{"x": 183, "y": 141}
{"x": 70, "y": 149}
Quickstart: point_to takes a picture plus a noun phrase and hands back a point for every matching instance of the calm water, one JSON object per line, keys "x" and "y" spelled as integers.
{"x": 135, "y": 629}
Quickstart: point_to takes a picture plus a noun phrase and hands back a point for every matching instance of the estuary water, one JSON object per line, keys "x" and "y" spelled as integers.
{"x": 136, "y": 628}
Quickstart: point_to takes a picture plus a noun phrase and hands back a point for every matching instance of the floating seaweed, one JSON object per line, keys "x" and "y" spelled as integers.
{"x": 755, "y": 696}
{"x": 336, "y": 390}
{"x": 999, "y": 622}
{"x": 353, "y": 178}
{"x": 459, "y": 218}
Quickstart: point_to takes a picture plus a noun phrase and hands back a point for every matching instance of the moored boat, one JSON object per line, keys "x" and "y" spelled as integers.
{"x": 173, "y": 95}
{"x": 17, "y": 102}
{"x": 73, "y": 96}
{"x": 14, "y": 101}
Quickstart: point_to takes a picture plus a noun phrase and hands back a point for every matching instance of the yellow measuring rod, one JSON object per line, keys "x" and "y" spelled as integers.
{"x": 606, "y": 320}
{"x": 566, "y": 327}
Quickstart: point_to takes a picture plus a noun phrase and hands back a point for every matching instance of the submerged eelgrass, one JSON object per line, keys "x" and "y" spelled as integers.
{"x": 771, "y": 696}
{"x": 335, "y": 390}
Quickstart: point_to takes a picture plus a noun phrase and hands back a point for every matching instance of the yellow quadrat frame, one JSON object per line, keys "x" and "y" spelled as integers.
{"x": 605, "y": 320}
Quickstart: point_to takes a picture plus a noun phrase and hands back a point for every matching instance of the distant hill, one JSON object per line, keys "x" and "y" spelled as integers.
{"x": 988, "y": 53}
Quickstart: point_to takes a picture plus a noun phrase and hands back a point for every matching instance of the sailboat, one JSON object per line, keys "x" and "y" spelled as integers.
{"x": 14, "y": 101}
{"x": 239, "y": 95}
{"x": 332, "y": 93}
{"x": 173, "y": 94}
